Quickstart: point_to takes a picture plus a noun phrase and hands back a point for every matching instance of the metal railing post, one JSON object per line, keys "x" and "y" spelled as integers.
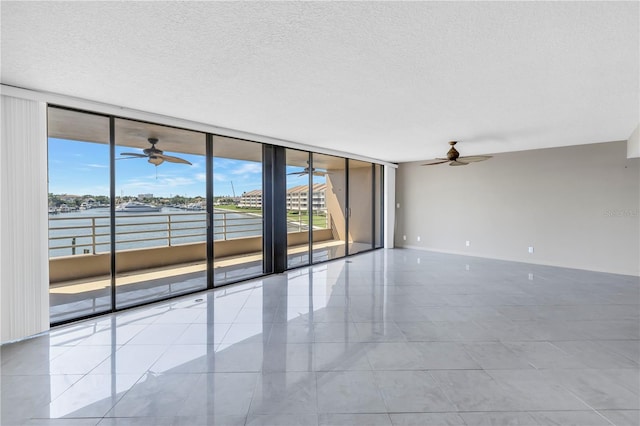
{"x": 93, "y": 234}
{"x": 224, "y": 226}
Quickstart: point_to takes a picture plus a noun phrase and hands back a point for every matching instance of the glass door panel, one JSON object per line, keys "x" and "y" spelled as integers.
{"x": 379, "y": 205}
{"x": 79, "y": 230}
{"x": 329, "y": 207}
{"x": 298, "y": 207}
{"x": 360, "y": 206}
{"x": 160, "y": 213}
{"x": 237, "y": 198}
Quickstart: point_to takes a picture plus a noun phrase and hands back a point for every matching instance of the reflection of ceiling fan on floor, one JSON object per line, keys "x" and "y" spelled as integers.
{"x": 155, "y": 156}
{"x": 454, "y": 159}
{"x": 305, "y": 171}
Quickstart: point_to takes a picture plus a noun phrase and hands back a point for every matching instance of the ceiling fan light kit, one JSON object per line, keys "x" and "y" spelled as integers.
{"x": 454, "y": 159}
{"x": 156, "y": 160}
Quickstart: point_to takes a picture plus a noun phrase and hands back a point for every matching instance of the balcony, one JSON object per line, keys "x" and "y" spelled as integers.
{"x": 157, "y": 256}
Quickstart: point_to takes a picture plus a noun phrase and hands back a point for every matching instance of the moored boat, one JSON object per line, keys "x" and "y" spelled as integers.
{"x": 137, "y": 207}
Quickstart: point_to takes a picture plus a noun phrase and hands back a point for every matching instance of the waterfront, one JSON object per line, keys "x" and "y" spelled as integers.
{"x": 88, "y": 231}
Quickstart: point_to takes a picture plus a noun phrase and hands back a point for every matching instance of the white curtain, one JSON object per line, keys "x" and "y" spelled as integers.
{"x": 24, "y": 261}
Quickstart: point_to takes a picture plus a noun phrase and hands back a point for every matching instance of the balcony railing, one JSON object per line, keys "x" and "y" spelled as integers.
{"x": 86, "y": 234}
{"x": 91, "y": 234}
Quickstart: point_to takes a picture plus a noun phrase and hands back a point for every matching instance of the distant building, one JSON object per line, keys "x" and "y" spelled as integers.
{"x": 296, "y": 198}
{"x": 143, "y": 196}
{"x": 251, "y": 199}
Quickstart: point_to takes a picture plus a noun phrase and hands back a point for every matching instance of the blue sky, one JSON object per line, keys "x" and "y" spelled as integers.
{"x": 81, "y": 168}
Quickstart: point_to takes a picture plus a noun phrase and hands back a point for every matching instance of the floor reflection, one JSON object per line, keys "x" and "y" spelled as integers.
{"x": 385, "y": 337}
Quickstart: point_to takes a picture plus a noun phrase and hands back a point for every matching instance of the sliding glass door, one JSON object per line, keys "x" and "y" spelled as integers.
{"x": 238, "y": 206}
{"x": 378, "y": 205}
{"x": 79, "y": 231}
{"x": 360, "y": 209}
{"x": 140, "y": 212}
{"x": 330, "y": 206}
{"x": 160, "y": 212}
{"x": 299, "y": 176}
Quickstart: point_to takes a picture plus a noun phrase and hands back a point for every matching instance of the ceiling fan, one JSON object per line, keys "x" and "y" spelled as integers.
{"x": 305, "y": 171}
{"x": 156, "y": 156}
{"x": 454, "y": 159}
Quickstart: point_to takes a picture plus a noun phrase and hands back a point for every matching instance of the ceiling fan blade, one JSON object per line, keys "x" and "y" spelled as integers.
{"x": 133, "y": 154}
{"x": 319, "y": 173}
{"x": 172, "y": 159}
{"x": 437, "y": 161}
{"x": 129, "y": 158}
{"x": 474, "y": 158}
{"x": 458, "y": 163}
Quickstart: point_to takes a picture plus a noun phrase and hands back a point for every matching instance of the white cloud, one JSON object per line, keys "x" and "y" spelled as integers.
{"x": 220, "y": 177}
{"x": 248, "y": 168}
{"x": 177, "y": 181}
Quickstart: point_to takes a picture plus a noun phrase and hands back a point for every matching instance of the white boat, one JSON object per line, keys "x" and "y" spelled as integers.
{"x": 136, "y": 207}
{"x": 195, "y": 206}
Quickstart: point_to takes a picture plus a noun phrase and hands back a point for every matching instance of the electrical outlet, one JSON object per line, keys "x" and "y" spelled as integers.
{"x": 530, "y": 249}
{"x": 398, "y": 206}
{"x": 468, "y": 243}
{"x": 418, "y": 238}
{"x": 530, "y": 277}
{"x": 404, "y": 237}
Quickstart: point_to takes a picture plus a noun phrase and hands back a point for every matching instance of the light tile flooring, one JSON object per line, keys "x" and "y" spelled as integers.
{"x": 391, "y": 337}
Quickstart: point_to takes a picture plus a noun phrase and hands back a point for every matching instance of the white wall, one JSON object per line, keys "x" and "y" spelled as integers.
{"x": 633, "y": 144}
{"x": 24, "y": 268}
{"x": 577, "y": 206}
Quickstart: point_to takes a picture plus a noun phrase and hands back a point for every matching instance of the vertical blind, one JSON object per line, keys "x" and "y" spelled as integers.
{"x": 24, "y": 273}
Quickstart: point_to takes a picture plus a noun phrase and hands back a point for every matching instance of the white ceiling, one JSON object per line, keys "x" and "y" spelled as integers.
{"x": 388, "y": 80}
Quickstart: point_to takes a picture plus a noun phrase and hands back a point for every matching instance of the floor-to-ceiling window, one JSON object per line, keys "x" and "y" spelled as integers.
{"x": 79, "y": 231}
{"x": 299, "y": 176}
{"x": 160, "y": 212}
{"x": 140, "y": 212}
{"x": 378, "y": 207}
{"x": 238, "y": 206}
{"x": 360, "y": 210}
{"x": 330, "y": 233}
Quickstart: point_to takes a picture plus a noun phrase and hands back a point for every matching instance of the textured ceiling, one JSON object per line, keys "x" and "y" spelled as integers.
{"x": 388, "y": 80}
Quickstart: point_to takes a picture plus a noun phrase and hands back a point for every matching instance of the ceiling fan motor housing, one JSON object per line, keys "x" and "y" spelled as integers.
{"x": 453, "y": 153}
{"x": 153, "y": 150}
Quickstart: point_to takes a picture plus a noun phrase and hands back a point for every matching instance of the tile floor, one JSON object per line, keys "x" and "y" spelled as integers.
{"x": 391, "y": 337}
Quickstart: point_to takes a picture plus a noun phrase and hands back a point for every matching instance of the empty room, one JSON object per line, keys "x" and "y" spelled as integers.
{"x": 320, "y": 213}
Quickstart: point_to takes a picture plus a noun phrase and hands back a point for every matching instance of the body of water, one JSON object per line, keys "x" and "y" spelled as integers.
{"x": 89, "y": 230}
